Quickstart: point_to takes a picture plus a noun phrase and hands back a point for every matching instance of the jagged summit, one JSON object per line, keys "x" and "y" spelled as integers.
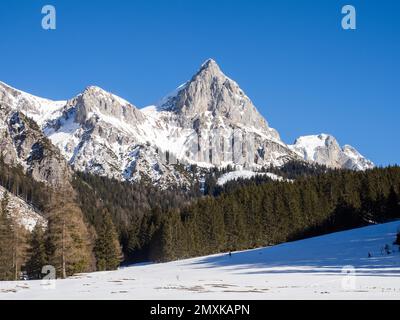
{"x": 94, "y": 88}
{"x": 210, "y": 65}
{"x": 97, "y": 102}
{"x": 210, "y": 97}
{"x": 101, "y": 93}
{"x": 208, "y": 62}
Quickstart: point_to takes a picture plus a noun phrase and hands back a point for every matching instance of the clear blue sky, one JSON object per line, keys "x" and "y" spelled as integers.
{"x": 303, "y": 72}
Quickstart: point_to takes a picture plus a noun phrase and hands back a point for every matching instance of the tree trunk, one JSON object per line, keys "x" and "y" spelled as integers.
{"x": 16, "y": 269}
{"x": 15, "y": 253}
{"x": 64, "y": 272}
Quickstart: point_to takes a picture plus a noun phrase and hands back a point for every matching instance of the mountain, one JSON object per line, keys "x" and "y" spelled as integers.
{"x": 222, "y": 125}
{"x": 208, "y": 122}
{"x": 324, "y": 149}
{"x": 22, "y": 140}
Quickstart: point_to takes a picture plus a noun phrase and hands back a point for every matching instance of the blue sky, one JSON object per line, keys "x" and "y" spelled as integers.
{"x": 304, "y": 73}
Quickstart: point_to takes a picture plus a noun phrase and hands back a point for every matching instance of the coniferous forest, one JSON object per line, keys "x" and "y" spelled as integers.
{"x": 101, "y": 223}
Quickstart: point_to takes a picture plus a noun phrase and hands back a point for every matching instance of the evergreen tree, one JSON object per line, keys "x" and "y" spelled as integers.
{"x": 37, "y": 255}
{"x": 392, "y": 204}
{"x": 107, "y": 248}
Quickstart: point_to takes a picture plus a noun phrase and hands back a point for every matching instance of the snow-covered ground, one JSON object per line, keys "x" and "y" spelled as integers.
{"x": 334, "y": 266}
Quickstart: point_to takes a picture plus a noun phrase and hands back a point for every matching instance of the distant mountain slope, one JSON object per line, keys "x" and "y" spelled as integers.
{"x": 23, "y": 213}
{"x": 324, "y": 149}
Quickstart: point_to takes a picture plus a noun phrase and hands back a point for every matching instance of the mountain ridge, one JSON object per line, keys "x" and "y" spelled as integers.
{"x": 208, "y": 121}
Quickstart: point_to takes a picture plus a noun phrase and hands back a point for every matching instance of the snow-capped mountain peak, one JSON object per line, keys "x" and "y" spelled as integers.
{"x": 210, "y": 66}
{"x": 211, "y": 92}
{"x": 95, "y": 104}
{"x": 36, "y": 108}
{"x": 325, "y": 149}
{"x": 356, "y": 160}
{"x": 208, "y": 121}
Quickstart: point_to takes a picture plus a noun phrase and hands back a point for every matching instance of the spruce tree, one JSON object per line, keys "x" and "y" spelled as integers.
{"x": 37, "y": 255}
{"x": 392, "y": 204}
{"x": 107, "y": 248}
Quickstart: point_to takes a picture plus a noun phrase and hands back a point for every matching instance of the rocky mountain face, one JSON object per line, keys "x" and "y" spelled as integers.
{"x": 208, "y": 121}
{"x": 23, "y": 143}
{"x": 223, "y": 126}
{"x": 210, "y": 91}
{"x": 324, "y": 149}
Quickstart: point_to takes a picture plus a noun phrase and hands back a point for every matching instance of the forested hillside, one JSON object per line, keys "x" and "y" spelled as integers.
{"x": 102, "y": 222}
{"x": 166, "y": 225}
{"x": 274, "y": 212}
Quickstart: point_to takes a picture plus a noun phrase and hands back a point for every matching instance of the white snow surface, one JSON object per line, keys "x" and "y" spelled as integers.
{"x": 314, "y": 268}
{"x": 40, "y": 109}
{"x": 309, "y": 144}
{"x": 245, "y": 174}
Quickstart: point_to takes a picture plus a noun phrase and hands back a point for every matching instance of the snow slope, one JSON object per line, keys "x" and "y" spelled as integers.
{"x": 314, "y": 268}
{"x": 245, "y": 174}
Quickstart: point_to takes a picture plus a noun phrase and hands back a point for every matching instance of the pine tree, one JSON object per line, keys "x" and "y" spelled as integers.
{"x": 107, "y": 249}
{"x": 392, "y": 204}
{"x": 37, "y": 255}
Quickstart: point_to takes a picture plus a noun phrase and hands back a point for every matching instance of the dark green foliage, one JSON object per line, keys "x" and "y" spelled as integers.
{"x": 296, "y": 169}
{"x": 135, "y": 209}
{"x": 166, "y": 225}
{"x": 107, "y": 249}
{"x": 37, "y": 253}
{"x": 259, "y": 214}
